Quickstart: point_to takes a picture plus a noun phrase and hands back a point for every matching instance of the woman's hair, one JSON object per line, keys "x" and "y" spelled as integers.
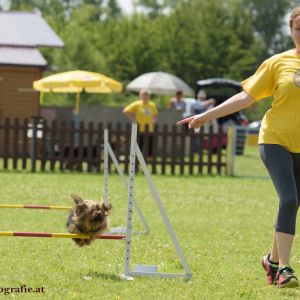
{"x": 145, "y": 91}
{"x": 201, "y": 93}
{"x": 295, "y": 13}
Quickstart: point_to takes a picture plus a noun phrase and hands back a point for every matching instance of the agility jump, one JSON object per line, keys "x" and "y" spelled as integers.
{"x": 138, "y": 270}
{"x": 62, "y": 235}
{"x": 36, "y": 206}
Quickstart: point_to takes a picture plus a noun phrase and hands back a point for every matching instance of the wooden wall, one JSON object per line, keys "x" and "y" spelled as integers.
{"x": 17, "y": 97}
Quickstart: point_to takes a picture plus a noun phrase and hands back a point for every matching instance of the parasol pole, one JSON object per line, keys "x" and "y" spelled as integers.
{"x": 77, "y": 103}
{"x": 41, "y": 98}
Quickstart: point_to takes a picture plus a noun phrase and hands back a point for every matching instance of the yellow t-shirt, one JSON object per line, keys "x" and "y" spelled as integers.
{"x": 279, "y": 76}
{"x": 143, "y": 113}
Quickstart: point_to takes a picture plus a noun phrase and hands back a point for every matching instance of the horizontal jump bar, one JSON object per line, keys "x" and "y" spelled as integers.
{"x": 62, "y": 235}
{"x": 36, "y": 206}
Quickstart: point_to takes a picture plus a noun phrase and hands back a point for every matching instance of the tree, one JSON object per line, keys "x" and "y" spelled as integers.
{"x": 113, "y": 9}
{"x": 268, "y": 18}
{"x": 192, "y": 39}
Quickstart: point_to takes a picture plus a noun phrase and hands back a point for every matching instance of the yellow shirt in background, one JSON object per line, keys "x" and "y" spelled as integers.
{"x": 143, "y": 113}
{"x": 279, "y": 76}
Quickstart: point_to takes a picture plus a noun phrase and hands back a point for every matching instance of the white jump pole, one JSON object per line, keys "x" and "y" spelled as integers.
{"x": 144, "y": 270}
{"x": 108, "y": 152}
{"x": 105, "y": 192}
{"x": 167, "y": 222}
{"x": 121, "y": 174}
{"x": 130, "y": 199}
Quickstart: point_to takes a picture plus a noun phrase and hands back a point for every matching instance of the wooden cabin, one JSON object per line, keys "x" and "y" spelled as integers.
{"x": 21, "y": 63}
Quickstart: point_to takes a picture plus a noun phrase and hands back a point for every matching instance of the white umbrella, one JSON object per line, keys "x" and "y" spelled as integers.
{"x": 159, "y": 83}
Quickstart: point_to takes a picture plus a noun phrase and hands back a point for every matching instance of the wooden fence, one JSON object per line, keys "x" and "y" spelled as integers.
{"x": 36, "y": 145}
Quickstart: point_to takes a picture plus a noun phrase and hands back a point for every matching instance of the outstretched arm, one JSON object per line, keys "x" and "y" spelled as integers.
{"x": 235, "y": 103}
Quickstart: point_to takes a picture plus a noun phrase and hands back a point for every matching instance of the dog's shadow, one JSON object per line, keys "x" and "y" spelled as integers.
{"x": 104, "y": 276}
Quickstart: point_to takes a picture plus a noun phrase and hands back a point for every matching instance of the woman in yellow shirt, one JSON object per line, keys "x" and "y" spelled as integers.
{"x": 279, "y": 142}
{"x": 144, "y": 113}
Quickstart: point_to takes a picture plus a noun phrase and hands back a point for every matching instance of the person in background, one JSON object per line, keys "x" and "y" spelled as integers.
{"x": 177, "y": 103}
{"x": 279, "y": 143}
{"x": 201, "y": 103}
{"x": 144, "y": 113}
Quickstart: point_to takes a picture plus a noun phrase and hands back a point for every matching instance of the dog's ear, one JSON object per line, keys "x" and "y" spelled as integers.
{"x": 77, "y": 200}
{"x": 79, "y": 203}
{"x": 107, "y": 208}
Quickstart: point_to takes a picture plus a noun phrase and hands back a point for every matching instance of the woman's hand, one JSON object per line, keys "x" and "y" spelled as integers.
{"x": 194, "y": 122}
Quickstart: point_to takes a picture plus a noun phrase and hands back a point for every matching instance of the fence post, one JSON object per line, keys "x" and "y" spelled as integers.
{"x": 33, "y": 143}
{"x": 230, "y": 153}
{"x": 6, "y": 137}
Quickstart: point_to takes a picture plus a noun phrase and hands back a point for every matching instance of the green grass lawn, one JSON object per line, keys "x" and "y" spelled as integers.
{"x": 223, "y": 224}
{"x": 249, "y": 164}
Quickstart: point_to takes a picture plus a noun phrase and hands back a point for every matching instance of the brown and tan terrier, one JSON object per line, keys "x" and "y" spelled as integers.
{"x": 88, "y": 217}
